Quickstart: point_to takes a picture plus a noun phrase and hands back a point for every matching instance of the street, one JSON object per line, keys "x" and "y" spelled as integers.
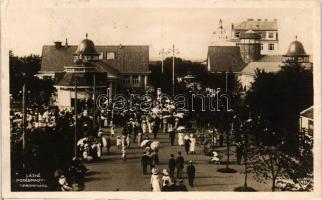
{"x": 111, "y": 173}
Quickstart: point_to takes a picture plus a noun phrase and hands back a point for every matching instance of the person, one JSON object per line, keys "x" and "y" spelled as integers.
{"x": 172, "y": 166}
{"x": 145, "y": 160}
{"x": 154, "y": 158}
{"x": 165, "y": 177}
{"x": 179, "y": 165}
{"x": 155, "y": 131}
{"x": 155, "y": 180}
{"x": 64, "y": 186}
{"x": 166, "y": 187}
{"x": 239, "y": 152}
{"x": 192, "y": 144}
{"x": 180, "y": 139}
{"x": 181, "y": 187}
{"x": 123, "y": 153}
{"x": 118, "y": 142}
{"x": 112, "y": 131}
{"x": 172, "y": 136}
{"x": 108, "y": 144}
{"x": 191, "y": 171}
{"x": 186, "y": 143}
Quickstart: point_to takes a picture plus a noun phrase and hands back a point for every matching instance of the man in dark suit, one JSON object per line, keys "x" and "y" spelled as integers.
{"x": 145, "y": 160}
{"x": 172, "y": 136}
{"x": 172, "y": 166}
{"x": 191, "y": 171}
{"x": 179, "y": 165}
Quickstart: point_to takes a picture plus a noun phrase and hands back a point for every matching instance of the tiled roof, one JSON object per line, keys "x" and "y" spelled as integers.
{"x": 225, "y": 58}
{"x": 270, "y": 58}
{"x": 128, "y": 59}
{"x": 257, "y": 25}
{"x": 266, "y": 66}
{"x": 308, "y": 113}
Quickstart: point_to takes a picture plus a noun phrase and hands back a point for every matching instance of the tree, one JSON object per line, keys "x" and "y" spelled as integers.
{"x": 279, "y": 97}
{"x": 267, "y": 163}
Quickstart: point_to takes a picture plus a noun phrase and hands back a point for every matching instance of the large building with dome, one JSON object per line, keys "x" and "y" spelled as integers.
{"x": 107, "y": 68}
{"x": 273, "y": 63}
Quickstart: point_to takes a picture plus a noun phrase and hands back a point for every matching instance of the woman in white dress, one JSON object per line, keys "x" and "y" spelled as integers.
{"x": 180, "y": 139}
{"x": 165, "y": 177}
{"x": 155, "y": 180}
{"x": 192, "y": 144}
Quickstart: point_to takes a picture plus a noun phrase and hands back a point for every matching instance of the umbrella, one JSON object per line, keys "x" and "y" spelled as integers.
{"x": 155, "y": 145}
{"x": 180, "y": 128}
{"x": 144, "y": 143}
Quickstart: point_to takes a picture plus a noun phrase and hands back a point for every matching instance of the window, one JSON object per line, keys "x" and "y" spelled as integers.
{"x": 271, "y": 47}
{"x": 237, "y": 34}
{"x": 271, "y": 35}
{"x": 101, "y": 55}
{"x": 262, "y": 46}
{"x": 110, "y": 55}
{"x": 126, "y": 80}
{"x": 135, "y": 80}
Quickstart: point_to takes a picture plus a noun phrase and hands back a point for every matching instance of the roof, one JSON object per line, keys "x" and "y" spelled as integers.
{"x": 296, "y": 49}
{"x": 270, "y": 58}
{"x": 308, "y": 113}
{"x": 128, "y": 59}
{"x": 266, "y": 66}
{"x": 225, "y": 58}
{"x": 83, "y": 79}
{"x": 256, "y": 25}
{"x": 86, "y": 47}
{"x": 250, "y": 34}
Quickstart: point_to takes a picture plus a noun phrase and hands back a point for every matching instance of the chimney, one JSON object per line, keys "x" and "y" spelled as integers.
{"x": 58, "y": 44}
{"x": 259, "y": 20}
{"x": 120, "y": 46}
{"x": 250, "y": 19}
{"x": 265, "y": 20}
{"x": 66, "y": 44}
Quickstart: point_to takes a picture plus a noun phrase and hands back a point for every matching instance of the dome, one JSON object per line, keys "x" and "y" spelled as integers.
{"x": 250, "y": 34}
{"x": 86, "y": 47}
{"x": 296, "y": 49}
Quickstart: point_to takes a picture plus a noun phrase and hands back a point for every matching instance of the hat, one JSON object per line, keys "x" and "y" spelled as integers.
{"x": 155, "y": 171}
{"x": 180, "y": 181}
{"x": 190, "y": 161}
{"x": 165, "y": 172}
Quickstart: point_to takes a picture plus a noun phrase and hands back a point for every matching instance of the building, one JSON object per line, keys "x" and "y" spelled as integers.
{"x": 224, "y": 59}
{"x": 126, "y": 66}
{"x": 274, "y": 63}
{"x": 307, "y": 119}
{"x": 267, "y": 29}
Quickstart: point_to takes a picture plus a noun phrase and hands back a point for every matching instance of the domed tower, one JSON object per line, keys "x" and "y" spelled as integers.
{"x": 296, "y": 53}
{"x": 250, "y": 46}
{"x": 86, "y": 51}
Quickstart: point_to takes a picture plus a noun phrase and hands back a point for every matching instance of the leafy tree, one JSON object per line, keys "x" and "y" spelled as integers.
{"x": 267, "y": 163}
{"x": 279, "y": 97}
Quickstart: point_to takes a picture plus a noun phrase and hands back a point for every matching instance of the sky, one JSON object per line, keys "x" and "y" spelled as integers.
{"x": 30, "y": 26}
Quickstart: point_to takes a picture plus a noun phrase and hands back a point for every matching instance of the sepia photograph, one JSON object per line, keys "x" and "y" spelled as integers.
{"x": 161, "y": 97}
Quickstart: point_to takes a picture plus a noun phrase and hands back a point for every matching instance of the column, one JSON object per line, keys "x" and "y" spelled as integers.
{"x": 130, "y": 81}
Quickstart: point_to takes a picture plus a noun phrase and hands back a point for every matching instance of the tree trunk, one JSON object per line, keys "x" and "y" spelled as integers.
{"x": 273, "y": 185}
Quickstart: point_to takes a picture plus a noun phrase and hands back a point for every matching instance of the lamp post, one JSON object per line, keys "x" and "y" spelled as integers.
{"x": 94, "y": 101}
{"x": 174, "y": 52}
{"x": 75, "y": 105}
{"x": 24, "y": 118}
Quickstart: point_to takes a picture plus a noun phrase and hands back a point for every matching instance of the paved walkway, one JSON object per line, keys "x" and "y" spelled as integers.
{"x": 111, "y": 173}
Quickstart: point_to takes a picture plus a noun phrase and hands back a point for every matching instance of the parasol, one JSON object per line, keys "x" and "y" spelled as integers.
{"x": 155, "y": 145}
{"x": 180, "y": 128}
{"x": 144, "y": 143}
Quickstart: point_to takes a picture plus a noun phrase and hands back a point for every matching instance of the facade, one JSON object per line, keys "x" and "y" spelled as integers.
{"x": 274, "y": 63}
{"x": 267, "y": 29}
{"x": 307, "y": 119}
{"x": 126, "y": 66}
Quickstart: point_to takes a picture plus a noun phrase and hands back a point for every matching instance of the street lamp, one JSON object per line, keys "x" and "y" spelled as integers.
{"x": 174, "y": 52}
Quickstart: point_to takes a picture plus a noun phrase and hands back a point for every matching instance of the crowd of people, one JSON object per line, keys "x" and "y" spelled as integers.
{"x": 138, "y": 127}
